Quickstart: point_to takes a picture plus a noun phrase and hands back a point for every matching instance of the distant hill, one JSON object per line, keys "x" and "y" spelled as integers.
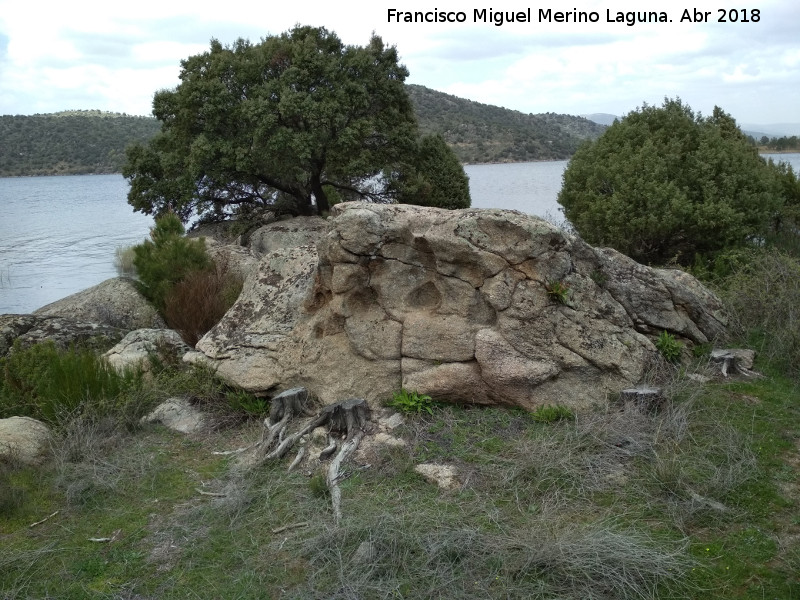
{"x": 92, "y": 141}
{"x": 70, "y": 142}
{"x": 601, "y": 118}
{"x": 480, "y": 133}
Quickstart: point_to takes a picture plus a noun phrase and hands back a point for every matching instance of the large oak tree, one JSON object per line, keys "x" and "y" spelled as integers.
{"x": 285, "y": 124}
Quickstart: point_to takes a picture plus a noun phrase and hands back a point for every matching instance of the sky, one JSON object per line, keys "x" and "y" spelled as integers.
{"x": 114, "y": 56}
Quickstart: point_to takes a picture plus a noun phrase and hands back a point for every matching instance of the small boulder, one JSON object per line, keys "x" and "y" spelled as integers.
{"x": 23, "y": 439}
{"x": 443, "y": 476}
{"x": 179, "y": 415}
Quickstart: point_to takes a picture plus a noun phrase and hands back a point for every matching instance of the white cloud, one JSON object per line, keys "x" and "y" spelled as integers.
{"x": 114, "y": 56}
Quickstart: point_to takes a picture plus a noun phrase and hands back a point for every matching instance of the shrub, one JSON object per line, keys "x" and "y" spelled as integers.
{"x": 198, "y": 302}
{"x": 664, "y": 185}
{"x": 763, "y": 299}
{"x": 124, "y": 257}
{"x": 48, "y": 383}
{"x": 406, "y": 401}
{"x": 167, "y": 258}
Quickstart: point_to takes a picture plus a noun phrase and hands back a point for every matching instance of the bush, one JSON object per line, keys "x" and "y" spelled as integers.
{"x": 663, "y": 185}
{"x": 198, "y": 302}
{"x": 167, "y": 258}
{"x": 48, "y": 383}
{"x": 763, "y": 298}
{"x": 436, "y": 177}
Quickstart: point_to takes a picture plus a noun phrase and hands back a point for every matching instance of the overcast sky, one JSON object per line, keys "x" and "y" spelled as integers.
{"x": 114, "y": 55}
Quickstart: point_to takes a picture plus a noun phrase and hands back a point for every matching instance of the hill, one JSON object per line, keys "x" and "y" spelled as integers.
{"x": 69, "y": 143}
{"x": 481, "y": 133}
{"x": 92, "y": 141}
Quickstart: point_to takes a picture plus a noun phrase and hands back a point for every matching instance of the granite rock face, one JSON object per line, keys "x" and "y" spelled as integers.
{"x": 471, "y": 306}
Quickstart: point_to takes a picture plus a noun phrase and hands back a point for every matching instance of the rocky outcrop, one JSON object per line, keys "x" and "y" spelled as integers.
{"x": 115, "y": 302}
{"x": 62, "y": 331}
{"x": 23, "y": 440}
{"x": 472, "y": 306}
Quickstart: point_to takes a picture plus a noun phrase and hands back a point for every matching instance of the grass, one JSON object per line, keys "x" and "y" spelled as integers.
{"x": 698, "y": 500}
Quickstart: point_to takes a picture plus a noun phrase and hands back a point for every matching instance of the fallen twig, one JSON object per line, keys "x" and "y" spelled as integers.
{"x": 43, "y": 520}
{"x": 215, "y": 494}
{"x": 113, "y": 538}
{"x": 292, "y": 526}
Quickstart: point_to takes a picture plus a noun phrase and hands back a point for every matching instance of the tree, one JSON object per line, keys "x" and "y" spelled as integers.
{"x": 435, "y": 176}
{"x": 278, "y": 125}
{"x": 664, "y": 185}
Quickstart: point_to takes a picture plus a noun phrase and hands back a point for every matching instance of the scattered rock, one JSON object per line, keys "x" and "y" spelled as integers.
{"x": 114, "y": 302}
{"x": 135, "y": 348}
{"x": 23, "y": 439}
{"x": 179, "y": 415}
{"x": 442, "y": 475}
{"x": 453, "y": 304}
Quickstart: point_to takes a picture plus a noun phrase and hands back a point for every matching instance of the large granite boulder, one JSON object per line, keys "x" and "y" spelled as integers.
{"x": 115, "y": 302}
{"x": 467, "y": 306}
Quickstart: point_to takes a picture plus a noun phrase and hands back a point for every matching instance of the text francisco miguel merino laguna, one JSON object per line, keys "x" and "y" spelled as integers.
{"x": 548, "y": 15}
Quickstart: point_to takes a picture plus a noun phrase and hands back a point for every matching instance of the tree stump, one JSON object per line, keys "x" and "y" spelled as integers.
{"x": 734, "y": 361}
{"x": 345, "y": 420}
{"x": 645, "y": 398}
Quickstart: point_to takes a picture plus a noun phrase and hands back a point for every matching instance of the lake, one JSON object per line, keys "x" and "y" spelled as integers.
{"x": 58, "y": 234}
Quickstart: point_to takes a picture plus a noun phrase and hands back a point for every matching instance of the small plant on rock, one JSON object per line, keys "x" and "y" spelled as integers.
{"x": 669, "y": 347}
{"x": 558, "y": 291}
{"x": 408, "y": 402}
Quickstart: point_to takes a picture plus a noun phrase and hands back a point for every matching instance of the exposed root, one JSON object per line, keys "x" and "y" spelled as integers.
{"x": 346, "y": 420}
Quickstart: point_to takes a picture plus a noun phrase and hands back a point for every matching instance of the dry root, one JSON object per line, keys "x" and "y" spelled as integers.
{"x": 346, "y": 420}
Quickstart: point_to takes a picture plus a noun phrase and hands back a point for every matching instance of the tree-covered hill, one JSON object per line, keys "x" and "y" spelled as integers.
{"x": 91, "y": 141}
{"x": 484, "y": 133}
{"x": 69, "y": 143}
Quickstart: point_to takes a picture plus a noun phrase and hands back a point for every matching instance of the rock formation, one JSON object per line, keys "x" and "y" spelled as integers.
{"x": 115, "y": 302}
{"x": 471, "y": 306}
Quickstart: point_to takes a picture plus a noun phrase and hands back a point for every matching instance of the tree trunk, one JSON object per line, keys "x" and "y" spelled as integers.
{"x": 319, "y": 194}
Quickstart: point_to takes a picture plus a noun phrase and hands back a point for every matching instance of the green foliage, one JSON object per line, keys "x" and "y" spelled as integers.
{"x": 558, "y": 291}
{"x": 552, "y": 414}
{"x": 69, "y": 143}
{"x": 411, "y": 402}
{"x": 251, "y": 124}
{"x": 664, "y": 185}
{"x": 435, "y": 177}
{"x": 167, "y": 258}
{"x": 47, "y": 383}
{"x": 669, "y": 347}
{"x": 246, "y": 403}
